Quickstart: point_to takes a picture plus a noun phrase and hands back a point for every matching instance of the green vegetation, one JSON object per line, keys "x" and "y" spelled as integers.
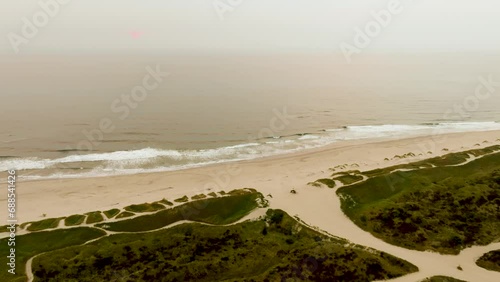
{"x": 44, "y": 224}
{"x": 125, "y": 214}
{"x": 198, "y": 197}
{"x": 222, "y": 210}
{"x": 490, "y": 261}
{"x": 443, "y": 209}
{"x": 4, "y": 228}
{"x": 442, "y": 279}
{"x": 182, "y": 200}
{"x": 349, "y": 179}
{"x": 29, "y": 245}
{"x": 328, "y": 182}
{"x": 314, "y": 184}
{"x": 346, "y": 178}
{"x": 446, "y": 160}
{"x": 241, "y": 191}
{"x": 94, "y": 217}
{"x": 146, "y": 207}
{"x": 166, "y": 202}
{"x": 276, "y": 249}
{"x": 73, "y": 220}
{"x": 212, "y": 194}
{"x": 111, "y": 213}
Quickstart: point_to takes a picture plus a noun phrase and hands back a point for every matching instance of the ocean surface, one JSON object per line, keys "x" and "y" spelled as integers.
{"x": 74, "y": 116}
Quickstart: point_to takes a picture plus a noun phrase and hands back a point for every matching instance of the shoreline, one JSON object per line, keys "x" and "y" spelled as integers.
{"x": 55, "y": 197}
{"x": 156, "y": 159}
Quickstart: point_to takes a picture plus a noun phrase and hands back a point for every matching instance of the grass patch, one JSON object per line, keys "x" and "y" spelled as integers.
{"x": 4, "y": 228}
{"x": 446, "y": 160}
{"x": 29, "y": 245}
{"x": 111, "y": 213}
{"x": 198, "y": 197}
{"x": 182, "y": 200}
{"x": 242, "y": 191}
{"x": 44, "y": 224}
{"x": 74, "y": 220}
{"x": 442, "y": 279}
{"x": 314, "y": 184}
{"x": 146, "y": 207}
{"x": 212, "y": 194}
{"x": 222, "y": 210}
{"x": 273, "y": 250}
{"x": 166, "y": 202}
{"x": 349, "y": 179}
{"x": 328, "y": 182}
{"x": 125, "y": 214}
{"x": 443, "y": 209}
{"x": 490, "y": 261}
{"x": 94, "y": 217}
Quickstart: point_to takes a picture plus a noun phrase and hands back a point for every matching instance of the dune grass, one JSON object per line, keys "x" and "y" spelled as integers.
{"x": 166, "y": 202}
{"x": 125, "y": 214}
{"x": 442, "y": 279}
{"x": 44, "y": 224}
{"x": 349, "y": 179}
{"x": 275, "y": 249}
{"x": 146, "y": 207}
{"x": 445, "y": 160}
{"x": 198, "y": 197}
{"x": 442, "y": 209}
{"x": 74, "y": 220}
{"x": 214, "y": 211}
{"x": 490, "y": 261}
{"x": 326, "y": 181}
{"x": 182, "y": 199}
{"x": 314, "y": 184}
{"x": 94, "y": 217}
{"x": 29, "y": 245}
{"x": 111, "y": 213}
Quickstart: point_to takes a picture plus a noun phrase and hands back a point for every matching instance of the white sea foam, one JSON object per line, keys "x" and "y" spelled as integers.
{"x": 395, "y": 130}
{"x": 308, "y": 137}
{"x": 23, "y": 164}
{"x": 153, "y": 159}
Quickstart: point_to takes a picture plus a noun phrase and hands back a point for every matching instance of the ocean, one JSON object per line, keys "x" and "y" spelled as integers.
{"x": 97, "y": 115}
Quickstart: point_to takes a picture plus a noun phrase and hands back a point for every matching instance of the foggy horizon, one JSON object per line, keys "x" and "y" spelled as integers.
{"x": 248, "y": 27}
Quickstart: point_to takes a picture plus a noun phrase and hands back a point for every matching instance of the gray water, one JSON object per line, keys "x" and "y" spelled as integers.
{"x": 221, "y": 108}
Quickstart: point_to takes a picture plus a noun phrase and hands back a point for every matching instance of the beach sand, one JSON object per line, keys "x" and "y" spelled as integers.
{"x": 274, "y": 177}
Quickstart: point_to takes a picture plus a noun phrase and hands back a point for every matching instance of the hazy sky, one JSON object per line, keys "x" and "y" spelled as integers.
{"x": 248, "y": 25}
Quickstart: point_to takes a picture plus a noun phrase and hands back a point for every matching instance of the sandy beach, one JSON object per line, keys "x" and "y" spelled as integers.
{"x": 273, "y": 177}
